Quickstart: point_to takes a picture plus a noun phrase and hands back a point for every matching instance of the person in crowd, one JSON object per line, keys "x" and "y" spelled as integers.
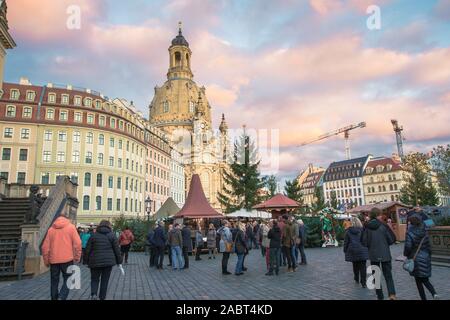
{"x": 126, "y": 239}
{"x": 102, "y": 253}
{"x": 211, "y": 241}
{"x": 240, "y": 248}
{"x": 378, "y": 237}
{"x": 417, "y": 247}
{"x": 355, "y": 251}
{"x": 169, "y": 249}
{"x": 274, "y": 236}
{"x": 160, "y": 240}
{"x": 84, "y": 236}
{"x": 302, "y": 237}
{"x": 265, "y": 242}
{"x": 288, "y": 240}
{"x": 281, "y": 225}
{"x": 187, "y": 245}
{"x": 61, "y": 249}
{"x": 347, "y": 223}
{"x": 80, "y": 230}
{"x": 256, "y": 240}
{"x": 249, "y": 235}
{"x": 151, "y": 247}
{"x": 226, "y": 245}
{"x": 260, "y": 238}
{"x": 175, "y": 240}
{"x": 294, "y": 251}
{"x": 198, "y": 243}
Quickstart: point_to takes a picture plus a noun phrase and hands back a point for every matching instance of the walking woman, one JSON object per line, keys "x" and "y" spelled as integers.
{"x": 240, "y": 248}
{"x": 102, "y": 253}
{"x": 355, "y": 251}
{"x": 126, "y": 238}
{"x": 417, "y": 247}
{"x": 211, "y": 241}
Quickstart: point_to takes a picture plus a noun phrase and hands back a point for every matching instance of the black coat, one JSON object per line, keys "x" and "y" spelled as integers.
{"x": 159, "y": 237}
{"x": 377, "y": 237}
{"x": 275, "y": 237}
{"x": 102, "y": 249}
{"x": 422, "y": 264}
{"x": 150, "y": 242}
{"x": 353, "y": 247}
{"x": 187, "y": 240}
{"x": 240, "y": 244}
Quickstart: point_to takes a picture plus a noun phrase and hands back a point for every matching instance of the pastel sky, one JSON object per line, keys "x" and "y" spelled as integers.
{"x": 303, "y": 67}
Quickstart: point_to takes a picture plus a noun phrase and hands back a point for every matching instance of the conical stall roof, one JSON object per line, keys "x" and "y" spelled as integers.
{"x": 168, "y": 209}
{"x": 196, "y": 205}
{"x": 279, "y": 201}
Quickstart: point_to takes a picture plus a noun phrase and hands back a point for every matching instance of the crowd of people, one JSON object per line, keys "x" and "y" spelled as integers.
{"x": 371, "y": 241}
{"x": 280, "y": 241}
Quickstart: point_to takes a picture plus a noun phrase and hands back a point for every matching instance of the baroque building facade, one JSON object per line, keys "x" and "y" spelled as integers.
{"x": 308, "y": 180}
{"x": 181, "y": 109}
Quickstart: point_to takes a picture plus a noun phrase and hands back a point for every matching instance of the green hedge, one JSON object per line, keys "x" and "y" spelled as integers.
{"x": 313, "y": 228}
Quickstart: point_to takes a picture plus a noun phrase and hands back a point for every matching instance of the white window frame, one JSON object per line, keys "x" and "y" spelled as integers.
{"x": 62, "y": 134}
{"x": 51, "y": 97}
{"x": 47, "y": 114}
{"x": 47, "y": 156}
{"x": 11, "y": 108}
{"x": 13, "y": 93}
{"x": 78, "y": 100}
{"x": 9, "y": 136}
{"x": 78, "y": 117}
{"x": 76, "y": 156}
{"x": 48, "y": 135}
{"x": 65, "y": 99}
{"x": 30, "y": 92}
{"x": 61, "y": 156}
{"x": 30, "y": 112}
{"x": 76, "y": 136}
{"x": 61, "y": 112}
{"x": 90, "y": 116}
{"x": 25, "y": 132}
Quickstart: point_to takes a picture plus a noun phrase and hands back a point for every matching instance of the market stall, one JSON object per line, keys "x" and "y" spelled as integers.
{"x": 253, "y": 214}
{"x": 278, "y": 205}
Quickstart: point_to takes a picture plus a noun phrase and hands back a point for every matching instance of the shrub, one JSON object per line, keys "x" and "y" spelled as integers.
{"x": 138, "y": 226}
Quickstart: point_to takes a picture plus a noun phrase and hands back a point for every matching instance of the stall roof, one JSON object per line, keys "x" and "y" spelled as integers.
{"x": 196, "y": 205}
{"x": 168, "y": 209}
{"x": 381, "y": 206}
{"x": 279, "y": 201}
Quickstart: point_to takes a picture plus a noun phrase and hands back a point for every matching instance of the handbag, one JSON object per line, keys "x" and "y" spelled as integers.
{"x": 409, "y": 264}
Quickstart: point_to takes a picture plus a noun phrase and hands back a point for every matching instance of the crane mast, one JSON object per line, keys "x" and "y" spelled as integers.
{"x": 398, "y": 135}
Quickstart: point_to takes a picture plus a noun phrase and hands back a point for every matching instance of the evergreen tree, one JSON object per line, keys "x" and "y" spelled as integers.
{"x": 271, "y": 185}
{"x": 418, "y": 189}
{"x": 242, "y": 181}
{"x": 319, "y": 202}
{"x": 292, "y": 190}
{"x": 440, "y": 161}
{"x": 333, "y": 200}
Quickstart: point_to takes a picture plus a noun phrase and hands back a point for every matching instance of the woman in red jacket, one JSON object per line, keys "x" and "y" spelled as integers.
{"x": 125, "y": 240}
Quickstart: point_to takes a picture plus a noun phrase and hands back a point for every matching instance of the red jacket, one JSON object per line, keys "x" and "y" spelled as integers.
{"x": 62, "y": 243}
{"x": 126, "y": 237}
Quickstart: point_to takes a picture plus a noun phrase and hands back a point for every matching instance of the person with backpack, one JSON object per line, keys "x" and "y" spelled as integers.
{"x": 417, "y": 247}
{"x": 378, "y": 237}
{"x": 102, "y": 253}
{"x": 126, "y": 238}
{"x": 226, "y": 245}
{"x": 355, "y": 251}
{"x": 60, "y": 250}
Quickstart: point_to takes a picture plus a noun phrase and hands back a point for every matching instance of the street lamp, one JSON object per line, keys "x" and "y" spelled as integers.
{"x": 148, "y": 207}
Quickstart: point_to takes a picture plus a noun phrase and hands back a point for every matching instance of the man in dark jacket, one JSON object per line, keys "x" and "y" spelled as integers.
{"x": 152, "y": 248}
{"x": 274, "y": 248}
{"x": 160, "y": 240}
{"x": 378, "y": 237}
{"x": 102, "y": 253}
{"x": 187, "y": 244}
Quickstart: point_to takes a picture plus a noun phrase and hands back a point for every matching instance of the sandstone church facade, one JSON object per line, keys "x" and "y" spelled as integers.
{"x": 181, "y": 109}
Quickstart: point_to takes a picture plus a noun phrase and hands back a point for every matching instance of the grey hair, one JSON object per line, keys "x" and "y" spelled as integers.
{"x": 356, "y": 222}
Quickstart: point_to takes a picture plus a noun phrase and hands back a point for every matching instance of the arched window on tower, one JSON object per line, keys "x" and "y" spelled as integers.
{"x": 177, "y": 59}
{"x": 166, "y": 106}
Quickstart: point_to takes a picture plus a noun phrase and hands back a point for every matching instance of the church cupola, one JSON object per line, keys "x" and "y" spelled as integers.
{"x": 180, "y": 58}
{"x": 223, "y": 125}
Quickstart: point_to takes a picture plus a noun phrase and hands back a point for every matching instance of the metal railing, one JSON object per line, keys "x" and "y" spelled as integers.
{"x": 12, "y": 258}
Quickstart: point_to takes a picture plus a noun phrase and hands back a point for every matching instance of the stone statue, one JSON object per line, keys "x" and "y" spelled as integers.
{"x": 36, "y": 202}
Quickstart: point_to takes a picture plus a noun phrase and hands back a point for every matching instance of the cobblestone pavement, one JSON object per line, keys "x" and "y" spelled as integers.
{"x": 327, "y": 276}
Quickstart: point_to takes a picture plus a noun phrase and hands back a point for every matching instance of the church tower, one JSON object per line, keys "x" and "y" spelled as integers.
{"x": 181, "y": 109}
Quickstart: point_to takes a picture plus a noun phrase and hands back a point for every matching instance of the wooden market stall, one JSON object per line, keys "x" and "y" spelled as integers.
{"x": 278, "y": 205}
{"x": 394, "y": 211}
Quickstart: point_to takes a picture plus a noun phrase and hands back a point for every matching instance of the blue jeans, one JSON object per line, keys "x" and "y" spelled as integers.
{"x": 294, "y": 253}
{"x": 239, "y": 263}
{"x": 177, "y": 256}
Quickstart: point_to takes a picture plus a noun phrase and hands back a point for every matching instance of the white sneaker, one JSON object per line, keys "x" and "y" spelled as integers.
{"x": 436, "y": 297}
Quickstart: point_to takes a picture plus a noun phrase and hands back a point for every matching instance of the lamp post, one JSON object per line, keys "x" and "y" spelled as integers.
{"x": 148, "y": 207}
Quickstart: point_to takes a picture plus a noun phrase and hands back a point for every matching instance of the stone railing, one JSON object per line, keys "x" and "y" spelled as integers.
{"x": 60, "y": 200}
{"x": 16, "y": 190}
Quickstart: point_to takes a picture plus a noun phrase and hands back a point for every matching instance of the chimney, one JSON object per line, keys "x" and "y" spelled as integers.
{"x": 24, "y": 81}
{"x": 310, "y": 168}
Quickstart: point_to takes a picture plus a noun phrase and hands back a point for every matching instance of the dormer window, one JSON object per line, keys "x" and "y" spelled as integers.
{"x": 31, "y": 95}
{"x": 389, "y": 167}
{"x": 98, "y": 104}
{"x": 15, "y": 94}
{"x": 380, "y": 168}
{"x": 87, "y": 102}
{"x": 77, "y": 101}
{"x": 65, "y": 99}
{"x": 51, "y": 98}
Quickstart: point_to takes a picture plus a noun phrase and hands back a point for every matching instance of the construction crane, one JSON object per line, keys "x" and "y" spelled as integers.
{"x": 398, "y": 134}
{"x": 345, "y": 131}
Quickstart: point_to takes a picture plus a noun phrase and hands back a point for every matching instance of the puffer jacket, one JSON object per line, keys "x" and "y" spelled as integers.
{"x": 62, "y": 243}
{"x": 353, "y": 248}
{"x": 102, "y": 249}
{"x": 422, "y": 264}
{"x": 377, "y": 237}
